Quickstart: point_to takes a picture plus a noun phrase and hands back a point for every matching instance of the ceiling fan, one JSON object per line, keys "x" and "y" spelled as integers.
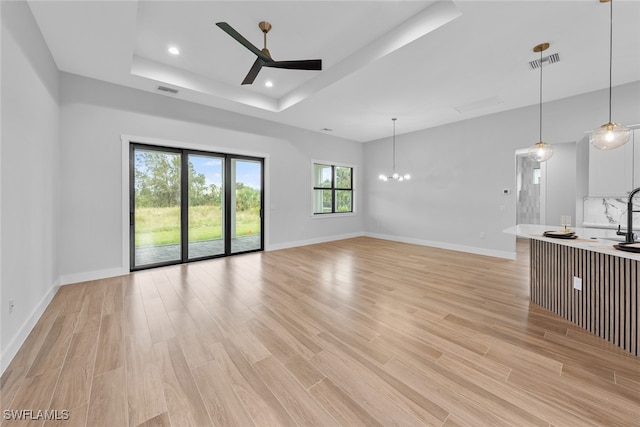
{"x": 264, "y": 57}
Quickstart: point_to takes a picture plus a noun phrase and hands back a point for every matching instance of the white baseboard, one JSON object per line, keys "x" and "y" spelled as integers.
{"x": 21, "y": 335}
{"x": 68, "y": 279}
{"x": 324, "y": 239}
{"x": 112, "y": 272}
{"x": 449, "y": 246}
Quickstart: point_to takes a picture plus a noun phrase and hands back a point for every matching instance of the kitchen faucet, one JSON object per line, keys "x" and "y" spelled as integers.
{"x": 629, "y": 235}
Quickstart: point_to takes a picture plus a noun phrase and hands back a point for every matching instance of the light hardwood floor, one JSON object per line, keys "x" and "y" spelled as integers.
{"x": 354, "y": 332}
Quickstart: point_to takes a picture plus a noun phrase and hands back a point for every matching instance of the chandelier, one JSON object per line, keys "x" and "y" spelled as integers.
{"x": 395, "y": 175}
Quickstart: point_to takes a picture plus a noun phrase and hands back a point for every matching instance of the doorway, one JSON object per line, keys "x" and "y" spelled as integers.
{"x": 529, "y": 178}
{"x": 188, "y": 205}
{"x": 547, "y": 191}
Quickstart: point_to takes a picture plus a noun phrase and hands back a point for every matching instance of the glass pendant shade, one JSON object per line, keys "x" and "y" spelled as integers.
{"x": 540, "y": 151}
{"x": 610, "y": 136}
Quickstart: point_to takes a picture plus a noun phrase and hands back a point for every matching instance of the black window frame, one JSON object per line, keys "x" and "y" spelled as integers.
{"x": 333, "y": 188}
{"x": 227, "y": 188}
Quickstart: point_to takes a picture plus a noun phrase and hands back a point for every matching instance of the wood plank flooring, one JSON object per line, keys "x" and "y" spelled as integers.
{"x": 354, "y": 332}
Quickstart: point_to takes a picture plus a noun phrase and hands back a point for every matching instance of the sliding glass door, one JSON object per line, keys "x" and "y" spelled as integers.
{"x": 189, "y": 205}
{"x": 155, "y": 196}
{"x": 246, "y": 205}
{"x": 205, "y": 213}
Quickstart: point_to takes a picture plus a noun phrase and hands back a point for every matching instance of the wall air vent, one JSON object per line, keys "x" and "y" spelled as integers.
{"x": 547, "y": 60}
{"x": 167, "y": 90}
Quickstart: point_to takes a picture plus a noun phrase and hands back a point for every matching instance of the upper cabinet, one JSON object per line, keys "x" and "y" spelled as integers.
{"x": 612, "y": 173}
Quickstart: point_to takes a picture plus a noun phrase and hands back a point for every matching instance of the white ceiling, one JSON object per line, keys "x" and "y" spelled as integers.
{"x": 427, "y": 63}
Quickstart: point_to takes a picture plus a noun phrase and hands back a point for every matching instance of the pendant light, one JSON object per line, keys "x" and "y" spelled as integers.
{"x": 540, "y": 151}
{"x": 394, "y": 176}
{"x": 610, "y": 135}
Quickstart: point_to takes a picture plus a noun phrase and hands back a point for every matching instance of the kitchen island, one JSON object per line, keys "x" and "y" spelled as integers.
{"x": 587, "y": 281}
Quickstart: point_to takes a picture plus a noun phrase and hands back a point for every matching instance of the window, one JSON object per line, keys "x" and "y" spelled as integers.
{"x": 536, "y": 176}
{"x": 332, "y": 189}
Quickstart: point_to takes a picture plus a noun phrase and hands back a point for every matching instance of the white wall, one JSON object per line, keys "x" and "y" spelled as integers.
{"x": 29, "y": 176}
{"x": 459, "y": 171}
{"x": 95, "y": 114}
{"x": 561, "y": 184}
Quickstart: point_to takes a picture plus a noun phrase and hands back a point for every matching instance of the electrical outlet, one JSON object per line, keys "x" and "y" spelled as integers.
{"x": 577, "y": 283}
{"x": 12, "y": 305}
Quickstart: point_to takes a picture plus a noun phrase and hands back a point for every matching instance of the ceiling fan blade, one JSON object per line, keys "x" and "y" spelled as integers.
{"x": 244, "y": 42}
{"x": 307, "y": 64}
{"x": 253, "y": 72}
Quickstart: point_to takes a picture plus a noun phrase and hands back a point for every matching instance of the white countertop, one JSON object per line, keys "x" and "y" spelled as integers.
{"x": 592, "y": 239}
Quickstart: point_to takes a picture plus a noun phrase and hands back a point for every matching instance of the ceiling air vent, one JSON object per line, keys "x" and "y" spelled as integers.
{"x": 551, "y": 59}
{"x": 167, "y": 90}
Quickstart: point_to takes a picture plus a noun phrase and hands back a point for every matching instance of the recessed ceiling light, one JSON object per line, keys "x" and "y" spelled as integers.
{"x": 268, "y": 83}
{"x": 174, "y": 50}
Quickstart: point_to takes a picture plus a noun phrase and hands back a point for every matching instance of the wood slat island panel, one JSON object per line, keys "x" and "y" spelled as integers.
{"x": 608, "y": 303}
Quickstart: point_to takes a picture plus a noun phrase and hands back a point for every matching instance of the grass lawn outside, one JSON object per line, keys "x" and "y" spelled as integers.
{"x": 161, "y": 226}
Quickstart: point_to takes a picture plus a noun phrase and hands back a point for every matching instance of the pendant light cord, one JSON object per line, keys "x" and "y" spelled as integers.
{"x": 541, "y": 95}
{"x": 394, "y": 145}
{"x": 610, "y": 52}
